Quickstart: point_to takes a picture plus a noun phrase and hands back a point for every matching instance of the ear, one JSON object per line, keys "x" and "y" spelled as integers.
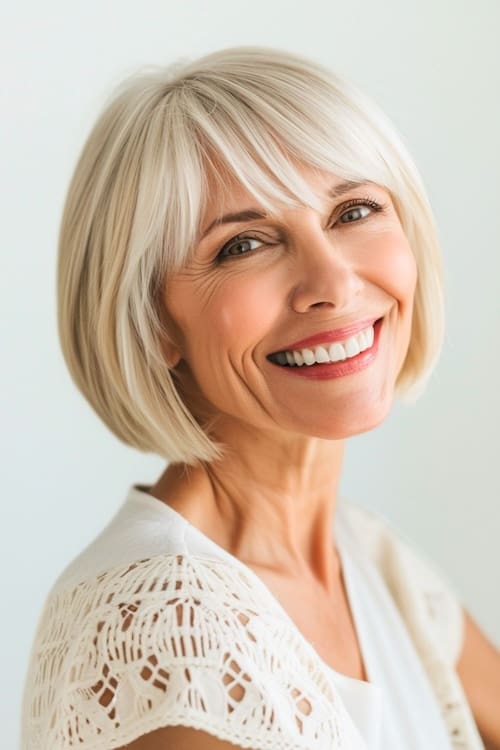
{"x": 171, "y": 339}
{"x": 172, "y": 355}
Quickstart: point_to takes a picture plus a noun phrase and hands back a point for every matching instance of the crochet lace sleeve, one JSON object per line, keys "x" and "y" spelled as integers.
{"x": 173, "y": 641}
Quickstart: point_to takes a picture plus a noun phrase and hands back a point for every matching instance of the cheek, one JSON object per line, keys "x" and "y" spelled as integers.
{"x": 232, "y": 315}
{"x": 397, "y": 268}
{"x": 401, "y": 279}
{"x": 405, "y": 279}
{"x": 242, "y": 309}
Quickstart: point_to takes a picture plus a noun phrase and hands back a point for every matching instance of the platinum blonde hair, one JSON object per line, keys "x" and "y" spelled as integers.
{"x": 137, "y": 197}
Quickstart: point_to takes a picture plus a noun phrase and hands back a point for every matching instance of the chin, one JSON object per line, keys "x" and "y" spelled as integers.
{"x": 356, "y": 421}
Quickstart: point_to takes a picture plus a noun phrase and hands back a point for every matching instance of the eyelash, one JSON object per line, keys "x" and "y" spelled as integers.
{"x": 344, "y": 208}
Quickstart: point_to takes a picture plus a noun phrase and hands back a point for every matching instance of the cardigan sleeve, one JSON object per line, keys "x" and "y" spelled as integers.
{"x": 171, "y": 640}
{"x": 434, "y": 599}
{"x": 428, "y": 600}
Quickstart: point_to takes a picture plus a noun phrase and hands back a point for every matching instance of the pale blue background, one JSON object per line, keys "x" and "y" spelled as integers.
{"x": 433, "y": 469}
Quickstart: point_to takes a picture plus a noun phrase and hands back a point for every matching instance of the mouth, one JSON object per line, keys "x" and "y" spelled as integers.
{"x": 329, "y": 352}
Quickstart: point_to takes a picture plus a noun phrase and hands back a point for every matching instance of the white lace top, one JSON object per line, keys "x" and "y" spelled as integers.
{"x": 154, "y": 624}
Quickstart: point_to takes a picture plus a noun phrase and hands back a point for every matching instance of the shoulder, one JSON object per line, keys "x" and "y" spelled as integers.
{"x": 170, "y": 640}
{"x": 424, "y": 592}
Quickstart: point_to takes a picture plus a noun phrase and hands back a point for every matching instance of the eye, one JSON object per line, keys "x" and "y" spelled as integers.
{"x": 353, "y": 212}
{"x": 236, "y": 247}
{"x": 354, "y": 209}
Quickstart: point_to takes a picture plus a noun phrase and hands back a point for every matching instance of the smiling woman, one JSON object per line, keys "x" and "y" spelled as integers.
{"x": 248, "y": 275}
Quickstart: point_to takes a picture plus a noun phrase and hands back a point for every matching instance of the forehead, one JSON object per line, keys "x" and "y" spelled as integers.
{"x": 226, "y": 193}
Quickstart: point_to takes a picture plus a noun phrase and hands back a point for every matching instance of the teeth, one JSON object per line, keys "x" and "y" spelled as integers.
{"x": 334, "y": 352}
{"x": 322, "y": 354}
{"x": 308, "y": 355}
{"x": 352, "y": 347}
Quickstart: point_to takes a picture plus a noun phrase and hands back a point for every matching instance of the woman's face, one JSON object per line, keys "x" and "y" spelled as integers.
{"x": 285, "y": 278}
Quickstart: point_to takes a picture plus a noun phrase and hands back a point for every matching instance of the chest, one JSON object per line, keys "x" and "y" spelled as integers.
{"x": 325, "y": 621}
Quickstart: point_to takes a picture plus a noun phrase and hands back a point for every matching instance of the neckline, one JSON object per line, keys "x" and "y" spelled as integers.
{"x": 137, "y": 493}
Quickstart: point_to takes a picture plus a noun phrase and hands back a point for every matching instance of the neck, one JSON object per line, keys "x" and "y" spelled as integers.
{"x": 271, "y": 503}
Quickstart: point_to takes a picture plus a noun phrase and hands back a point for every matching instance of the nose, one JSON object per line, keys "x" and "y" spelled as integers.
{"x": 325, "y": 274}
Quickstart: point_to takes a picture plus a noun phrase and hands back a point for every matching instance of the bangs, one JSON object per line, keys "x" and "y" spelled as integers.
{"x": 257, "y": 133}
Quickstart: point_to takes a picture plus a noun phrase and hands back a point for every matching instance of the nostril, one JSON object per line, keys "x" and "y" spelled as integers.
{"x": 321, "y": 304}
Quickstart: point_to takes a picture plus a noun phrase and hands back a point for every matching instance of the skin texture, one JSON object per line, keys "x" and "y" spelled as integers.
{"x": 271, "y": 501}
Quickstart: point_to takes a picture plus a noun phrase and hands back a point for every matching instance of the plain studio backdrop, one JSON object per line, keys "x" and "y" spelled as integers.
{"x": 433, "y": 468}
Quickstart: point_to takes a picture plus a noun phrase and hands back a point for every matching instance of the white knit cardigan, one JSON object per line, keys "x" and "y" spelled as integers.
{"x": 183, "y": 638}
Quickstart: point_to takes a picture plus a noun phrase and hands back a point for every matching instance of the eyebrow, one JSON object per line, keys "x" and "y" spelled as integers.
{"x": 252, "y": 213}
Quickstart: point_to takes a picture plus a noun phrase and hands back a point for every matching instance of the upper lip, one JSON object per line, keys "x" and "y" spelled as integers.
{"x": 338, "y": 334}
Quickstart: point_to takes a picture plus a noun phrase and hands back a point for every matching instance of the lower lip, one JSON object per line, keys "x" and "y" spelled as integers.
{"x": 329, "y": 370}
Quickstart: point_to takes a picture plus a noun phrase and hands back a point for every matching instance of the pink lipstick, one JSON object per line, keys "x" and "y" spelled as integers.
{"x": 328, "y": 370}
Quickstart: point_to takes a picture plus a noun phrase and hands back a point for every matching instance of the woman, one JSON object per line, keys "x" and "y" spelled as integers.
{"x": 248, "y": 274}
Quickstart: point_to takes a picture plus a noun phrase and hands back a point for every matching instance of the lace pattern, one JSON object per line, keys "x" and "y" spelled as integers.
{"x": 180, "y": 641}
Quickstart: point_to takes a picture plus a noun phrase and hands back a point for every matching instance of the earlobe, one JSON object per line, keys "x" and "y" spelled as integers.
{"x": 172, "y": 356}
{"x": 171, "y": 353}
{"x": 170, "y": 341}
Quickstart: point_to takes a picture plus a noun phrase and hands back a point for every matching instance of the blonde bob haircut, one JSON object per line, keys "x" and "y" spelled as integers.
{"x": 137, "y": 196}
